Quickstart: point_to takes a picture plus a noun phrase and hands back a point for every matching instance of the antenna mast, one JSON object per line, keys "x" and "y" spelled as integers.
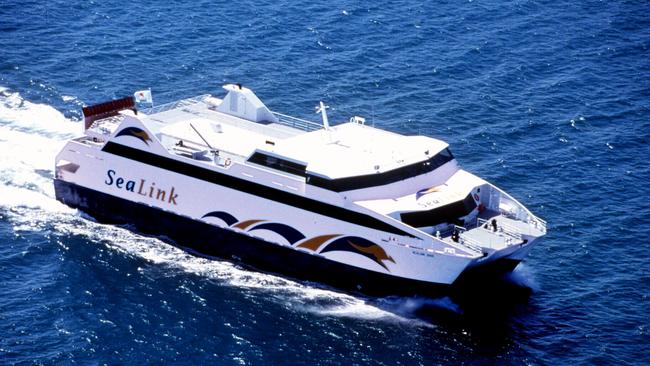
{"x": 322, "y": 109}
{"x": 204, "y": 140}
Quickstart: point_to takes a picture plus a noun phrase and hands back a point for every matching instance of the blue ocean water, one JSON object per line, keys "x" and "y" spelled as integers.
{"x": 549, "y": 100}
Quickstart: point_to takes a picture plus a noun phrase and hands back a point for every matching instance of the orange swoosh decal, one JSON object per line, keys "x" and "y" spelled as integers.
{"x": 143, "y": 135}
{"x": 315, "y": 242}
{"x": 244, "y": 224}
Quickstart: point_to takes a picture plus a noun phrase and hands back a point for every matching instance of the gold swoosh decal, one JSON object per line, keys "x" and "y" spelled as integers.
{"x": 142, "y": 135}
{"x": 315, "y": 242}
{"x": 244, "y": 224}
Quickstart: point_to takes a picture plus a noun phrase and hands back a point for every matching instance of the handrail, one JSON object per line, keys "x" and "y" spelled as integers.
{"x": 173, "y": 105}
{"x": 471, "y": 243}
{"x": 530, "y": 219}
{"x": 505, "y": 228}
{"x": 298, "y": 123}
{"x": 511, "y": 231}
{"x": 539, "y": 223}
{"x": 466, "y": 241}
{"x": 301, "y": 124}
{"x": 529, "y": 216}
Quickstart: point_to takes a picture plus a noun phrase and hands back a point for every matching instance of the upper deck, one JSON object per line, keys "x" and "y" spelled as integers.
{"x": 239, "y": 125}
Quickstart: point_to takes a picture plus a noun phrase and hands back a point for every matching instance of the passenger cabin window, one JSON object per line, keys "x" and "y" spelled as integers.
{"x": 278, "y": 164}
{"x": 379, "y": 179}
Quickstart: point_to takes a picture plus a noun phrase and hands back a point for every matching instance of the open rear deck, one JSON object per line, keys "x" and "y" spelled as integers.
{"x": 495, "y": 231}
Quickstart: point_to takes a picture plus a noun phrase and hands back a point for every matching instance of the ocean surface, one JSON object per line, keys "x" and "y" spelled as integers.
{"x": 549, "y": 100}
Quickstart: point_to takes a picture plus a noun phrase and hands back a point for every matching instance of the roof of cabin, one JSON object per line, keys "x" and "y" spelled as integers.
{"x": 240, "y": 124}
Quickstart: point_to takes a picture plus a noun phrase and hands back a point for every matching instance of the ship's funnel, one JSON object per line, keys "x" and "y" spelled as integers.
{"x": 243, "y": 103}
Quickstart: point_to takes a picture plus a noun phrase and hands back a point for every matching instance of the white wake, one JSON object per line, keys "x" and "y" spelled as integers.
{"x": 31, "y": 135}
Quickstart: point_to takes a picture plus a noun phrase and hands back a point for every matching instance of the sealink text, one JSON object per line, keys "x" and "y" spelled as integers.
{"x": 141, "y": 187}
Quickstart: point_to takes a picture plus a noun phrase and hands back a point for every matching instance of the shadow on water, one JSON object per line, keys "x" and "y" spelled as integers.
{"x": 487, "y": 309}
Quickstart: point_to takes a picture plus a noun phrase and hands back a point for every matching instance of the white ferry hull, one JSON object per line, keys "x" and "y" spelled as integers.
{"x": 209, "y": 240}
{"x": 214, "y": 220}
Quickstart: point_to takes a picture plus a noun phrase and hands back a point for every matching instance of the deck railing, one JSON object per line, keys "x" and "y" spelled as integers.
{"x": 539, "y": 224}
{"x": 301, "y": 124}
{"x": 298, "y": 123}
{"x": 503, "y": 227}
{"x": 174, "y": 105}
{"x": 471, "y": 243}
{"x": 467, "y": 241}
{"x": 517, "y": 211}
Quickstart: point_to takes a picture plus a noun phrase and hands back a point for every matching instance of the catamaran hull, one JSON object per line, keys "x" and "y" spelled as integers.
{"x": 211, "y": 213}
{"x": 207, "y": 240}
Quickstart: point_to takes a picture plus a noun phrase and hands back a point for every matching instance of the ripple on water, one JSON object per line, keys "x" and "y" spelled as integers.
{"x": 549, "y": 106}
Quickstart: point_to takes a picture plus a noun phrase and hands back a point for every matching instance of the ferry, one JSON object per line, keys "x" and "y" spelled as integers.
{"x": 347, "y": 205}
